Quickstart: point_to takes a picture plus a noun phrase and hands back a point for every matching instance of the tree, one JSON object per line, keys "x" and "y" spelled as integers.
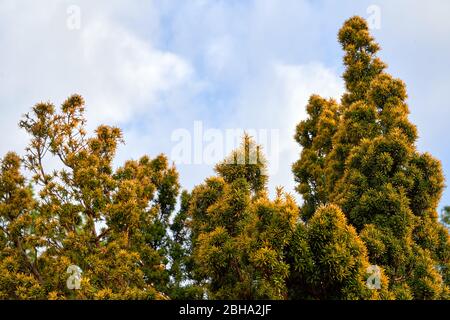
{"x": 315, "y": 135}
{"x": 372, "y": 171}
{"x": 238, "y": 234}
{"x": 74, "y": 226}
{"x": 329, "y": 260}
{"x": 19, "y": 274}
{"x": 109, "y": 223}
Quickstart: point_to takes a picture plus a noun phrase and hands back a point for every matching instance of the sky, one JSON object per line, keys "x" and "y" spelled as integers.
{"x": 185, "y": 78}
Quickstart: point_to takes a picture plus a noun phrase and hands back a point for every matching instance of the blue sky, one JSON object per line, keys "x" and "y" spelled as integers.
{"x": 154, "y": 67}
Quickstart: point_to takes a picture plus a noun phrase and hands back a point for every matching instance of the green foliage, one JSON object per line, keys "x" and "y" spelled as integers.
{"x": 446, "y": 215}
{"x": 369, "y": 203}
{"x": 372, "y": 171}
{"x": 19, "y": 274}
{"x": 110, "y": 223}
{"x": 238, "y": 233}
{"x": 315, "y": 135}
{"x": 329, "y": 260}
{"x": 182, "y": 285}
{"x": 246, "y": 162}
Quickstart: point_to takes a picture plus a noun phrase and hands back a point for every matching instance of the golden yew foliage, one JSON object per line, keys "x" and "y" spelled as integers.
{"x": 369, "y": 198}
{"x": 110, "y": 223}
{"x": 329, "y": 260}
{"x": 315, "y": 135}
{"x": 369, "y": 167}
{"x": 238, "y": 234}
{"x": 19, "y": 276}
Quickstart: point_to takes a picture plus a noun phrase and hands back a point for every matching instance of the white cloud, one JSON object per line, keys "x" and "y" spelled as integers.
{"x": 298, "y": 82}
{"x": 121, "y": 75}
{"x": 155, "y": 66}
{"x": 127, "y": 75}
{"x": 218, "y": 54}
{"x": 277, "y": 101}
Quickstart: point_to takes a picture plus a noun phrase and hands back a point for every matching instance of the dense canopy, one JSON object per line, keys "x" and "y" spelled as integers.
{"x": 75, "y": 226}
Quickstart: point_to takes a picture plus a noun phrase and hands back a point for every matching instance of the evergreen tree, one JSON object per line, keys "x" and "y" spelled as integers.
{"x": 329, "y": 260}
{"x": 238, "y": 234}
{"x": 315, "y": 135}
{"x": 20, "y": 277}
{"x": 388, "y": 191}
{"x": 109, "y": 223}
{"x": 370, "y": 203}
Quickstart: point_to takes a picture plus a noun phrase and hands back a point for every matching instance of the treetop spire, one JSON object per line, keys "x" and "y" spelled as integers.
{"x": 362, "y": 65}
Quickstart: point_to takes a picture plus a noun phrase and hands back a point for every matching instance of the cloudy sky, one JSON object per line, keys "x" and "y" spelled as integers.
{"x": 204, "y": 68}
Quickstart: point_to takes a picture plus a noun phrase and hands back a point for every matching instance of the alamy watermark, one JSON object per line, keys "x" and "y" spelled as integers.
{"x": 73, "y": 21}
{"x": 374, "y": 18}
{"x": 74, "y": 280}
{"x": 374, "y": 280}
{"x": 209, "y": 146}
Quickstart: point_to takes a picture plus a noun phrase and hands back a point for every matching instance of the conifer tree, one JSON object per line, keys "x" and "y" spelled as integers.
{"x": 329, "y": 260}
{"x": 20, "y": 277}
{"x": 388, "y": 190}
{"x": 238, "y": 234}
{"x": 111, "y": 224}
{"x": 315, "y": 135}
{"x": 370, "y": 202}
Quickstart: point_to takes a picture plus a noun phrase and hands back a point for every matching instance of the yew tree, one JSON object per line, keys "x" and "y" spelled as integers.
{"x": 328, "y": 260}
{"x": 239, "y": 235}
{"x": 77, "y": 209}
{"x": 370, "y": 202}
{"x": 361, "y": 156}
